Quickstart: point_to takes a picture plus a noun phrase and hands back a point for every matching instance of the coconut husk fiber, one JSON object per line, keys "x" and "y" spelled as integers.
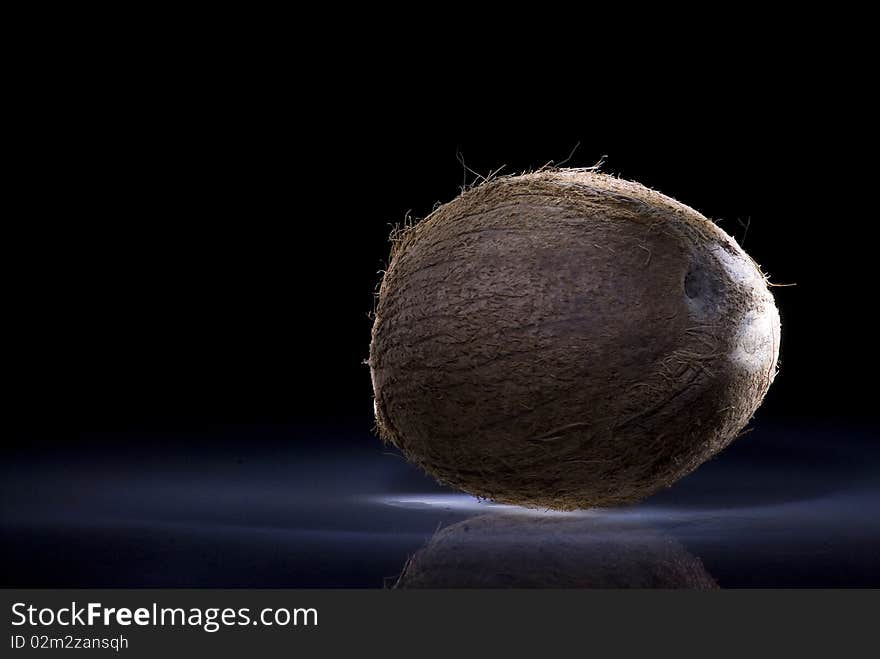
{"x": 513, "y": 551}
{"x": 566, "y": 339}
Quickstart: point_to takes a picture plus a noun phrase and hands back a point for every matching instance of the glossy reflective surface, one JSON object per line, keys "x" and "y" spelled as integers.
{"x": 784, "y": 506}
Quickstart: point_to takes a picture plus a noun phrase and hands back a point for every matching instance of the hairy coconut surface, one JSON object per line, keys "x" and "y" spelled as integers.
{"x": 509, "y": 551}
{"x": 566, "y": 339}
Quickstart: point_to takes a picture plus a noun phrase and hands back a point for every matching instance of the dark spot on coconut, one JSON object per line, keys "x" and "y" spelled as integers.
{"x": 696, "y": 282}
{"x": 703, "y": 287}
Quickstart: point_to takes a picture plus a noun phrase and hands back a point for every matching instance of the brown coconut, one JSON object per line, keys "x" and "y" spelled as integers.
{"x": 512, "y": 551}
{"x": 566, "y": 339}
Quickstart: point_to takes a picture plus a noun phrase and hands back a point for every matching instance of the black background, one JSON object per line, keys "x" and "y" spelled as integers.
{"x": 200, "y": 250}
{"x": 194, "y": 233}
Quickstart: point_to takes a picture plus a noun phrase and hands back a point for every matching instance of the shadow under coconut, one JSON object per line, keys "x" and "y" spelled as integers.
{"x": 529, "y": 551}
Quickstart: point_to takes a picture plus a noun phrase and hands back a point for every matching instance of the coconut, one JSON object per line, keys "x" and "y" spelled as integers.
{"x": 513, "y": 551}
{"x": 566, "y": 339}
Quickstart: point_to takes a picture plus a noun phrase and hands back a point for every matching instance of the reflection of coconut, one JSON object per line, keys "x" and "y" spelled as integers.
{"x": 511, "y": 551}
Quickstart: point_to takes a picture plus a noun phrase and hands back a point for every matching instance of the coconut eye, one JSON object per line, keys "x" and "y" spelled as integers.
{"x": 695, "y": 282}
